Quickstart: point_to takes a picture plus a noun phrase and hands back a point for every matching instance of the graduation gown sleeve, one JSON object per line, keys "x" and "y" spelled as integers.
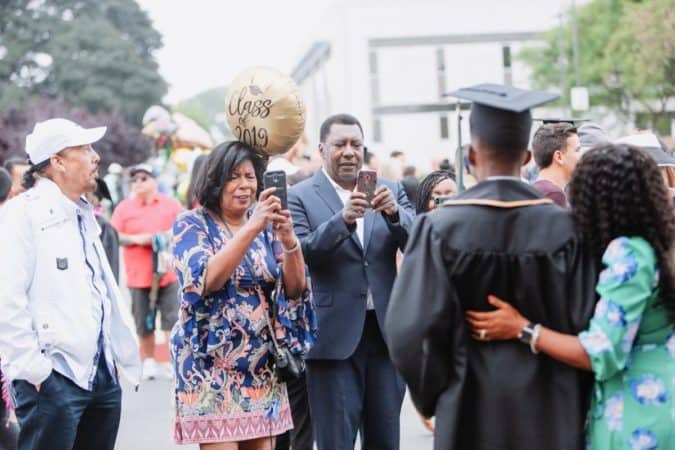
{"x": 424, "y": 325}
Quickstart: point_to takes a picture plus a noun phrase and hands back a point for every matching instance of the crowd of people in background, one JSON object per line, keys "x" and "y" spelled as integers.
{"x": 564, "y": 244}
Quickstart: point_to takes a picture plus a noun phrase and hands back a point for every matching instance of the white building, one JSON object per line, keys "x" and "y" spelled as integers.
{"x": 389, "y": 62}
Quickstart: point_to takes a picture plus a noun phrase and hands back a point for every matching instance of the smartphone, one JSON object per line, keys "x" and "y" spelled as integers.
{"x": 442, "y": 199}
{"x": 366, "y": 182}
{"x": 277, "y": 179}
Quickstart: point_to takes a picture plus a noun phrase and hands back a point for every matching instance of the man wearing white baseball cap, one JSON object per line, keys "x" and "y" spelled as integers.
{"x": 63, "y": 335}
{"x": 651, "y": 144}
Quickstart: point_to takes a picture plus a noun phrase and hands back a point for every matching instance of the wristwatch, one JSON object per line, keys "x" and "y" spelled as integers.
{"x": 526, "y": 334}
{"x": 529, "y": 336}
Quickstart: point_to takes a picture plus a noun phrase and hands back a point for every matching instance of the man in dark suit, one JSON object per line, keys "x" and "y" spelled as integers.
{"x": 350, "y": 247}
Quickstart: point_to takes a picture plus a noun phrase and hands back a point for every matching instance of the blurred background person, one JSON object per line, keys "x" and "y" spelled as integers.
{"x": 556, "y": 150}
{"x": 398, "y": 154}
{"x": 227, "y": 261}
{"x": 371, "y": 160}
{"x": 391, "y": 169}
{"x": 143, "y": 222}
{"x": 16, "y": 168}
{"x": 108, "y": 234}
{"x": 191, "y": 200}
{"x": 591, "y": 134}
{"x": 8, "y": 429}
{"x": 5, "y": 185}
{"x": 436, "y": 184}
{"x": 410, "y": 183}
{"x": 657, "y": 149}
{"x": 629, "y": 344}
{"x": 114, "y": 180}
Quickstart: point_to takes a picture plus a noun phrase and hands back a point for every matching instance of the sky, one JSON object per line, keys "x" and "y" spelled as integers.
{"x": 208, "y": 42}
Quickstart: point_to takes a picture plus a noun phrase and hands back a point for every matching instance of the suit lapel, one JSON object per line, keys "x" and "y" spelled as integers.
{"x": 326, "y": 191}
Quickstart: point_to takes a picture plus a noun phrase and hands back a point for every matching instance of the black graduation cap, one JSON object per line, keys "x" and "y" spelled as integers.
{"x": 500, "y": 115}
{"x": 573, "y": 122}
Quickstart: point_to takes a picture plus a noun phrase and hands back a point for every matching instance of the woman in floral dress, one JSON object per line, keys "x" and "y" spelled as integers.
{"x": 625, "y": 216}
{"x": 226, "y": 256}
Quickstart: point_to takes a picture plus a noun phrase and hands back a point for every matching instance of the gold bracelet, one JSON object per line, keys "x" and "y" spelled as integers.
{"x": 293, "y": 249}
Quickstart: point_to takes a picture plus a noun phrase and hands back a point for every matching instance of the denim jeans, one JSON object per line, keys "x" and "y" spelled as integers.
{"x": 64, "y": 416}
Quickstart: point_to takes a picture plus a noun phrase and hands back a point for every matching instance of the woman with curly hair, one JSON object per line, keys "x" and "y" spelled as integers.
{"x": 625, "y": 217}
{"x": 437, "y": 183}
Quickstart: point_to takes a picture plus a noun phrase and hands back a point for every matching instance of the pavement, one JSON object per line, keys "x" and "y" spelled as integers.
{"x": 147, "y": 421}
{"x": 147, "y": 414}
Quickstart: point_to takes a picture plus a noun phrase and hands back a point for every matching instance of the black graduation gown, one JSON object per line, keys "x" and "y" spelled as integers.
{"x": 494, "y": 395}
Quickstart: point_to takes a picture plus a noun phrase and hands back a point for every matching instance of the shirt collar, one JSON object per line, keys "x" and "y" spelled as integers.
{"x": 56, "y": 194}
{"x": 505, "y": 177}
{"x": 139, "y": 201}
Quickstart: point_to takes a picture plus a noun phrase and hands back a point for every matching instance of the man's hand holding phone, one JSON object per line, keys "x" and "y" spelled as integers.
{"x": 384, "y": 201}
{"x": 355, "y": 207}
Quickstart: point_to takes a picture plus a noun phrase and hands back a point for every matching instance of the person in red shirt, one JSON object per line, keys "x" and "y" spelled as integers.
{"x": 556, "y": 150}
{"x": 145, "y": 217}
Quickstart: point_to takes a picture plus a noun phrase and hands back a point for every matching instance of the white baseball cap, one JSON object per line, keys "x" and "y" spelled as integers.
{"x": 53, "y": 135}
{"x": 650, "y": 143}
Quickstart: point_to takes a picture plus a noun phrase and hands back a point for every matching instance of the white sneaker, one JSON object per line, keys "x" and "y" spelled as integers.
{"x": 166, "y": 369}
{"x": 150, "y": 369}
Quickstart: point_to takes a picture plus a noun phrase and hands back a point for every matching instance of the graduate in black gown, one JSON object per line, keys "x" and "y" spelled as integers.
{"x": 499, "y": 237}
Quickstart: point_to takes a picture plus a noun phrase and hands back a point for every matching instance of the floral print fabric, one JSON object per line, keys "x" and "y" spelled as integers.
{"x": 225, "y": 384}
{"x": 631, "y": 346}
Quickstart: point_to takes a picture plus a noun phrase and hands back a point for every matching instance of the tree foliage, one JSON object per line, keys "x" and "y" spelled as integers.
{"x": 122, "y": 142}
{"x": 97, "y": 54}
{"x": 626, "y": 53}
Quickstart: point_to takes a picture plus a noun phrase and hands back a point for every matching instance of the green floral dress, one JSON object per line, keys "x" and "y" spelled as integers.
{"x": 631, "y": 344}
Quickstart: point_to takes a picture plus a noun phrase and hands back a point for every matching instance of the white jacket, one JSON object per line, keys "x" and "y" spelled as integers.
{"x": 43, "y": 309}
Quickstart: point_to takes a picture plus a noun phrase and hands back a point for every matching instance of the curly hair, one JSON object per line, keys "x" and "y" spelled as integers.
{"x": 617, "y": 190}
{"x": 427, "y": 186}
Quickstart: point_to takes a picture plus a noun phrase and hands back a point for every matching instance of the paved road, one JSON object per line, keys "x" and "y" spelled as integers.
{"x": 147, "y": 414}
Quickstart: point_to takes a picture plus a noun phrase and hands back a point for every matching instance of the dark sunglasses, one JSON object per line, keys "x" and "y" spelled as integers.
{"x": 142, "y": 178}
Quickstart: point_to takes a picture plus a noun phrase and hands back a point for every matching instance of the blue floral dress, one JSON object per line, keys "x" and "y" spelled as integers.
{"x": 225, "y": 384}
{"x": 632, "y": 348}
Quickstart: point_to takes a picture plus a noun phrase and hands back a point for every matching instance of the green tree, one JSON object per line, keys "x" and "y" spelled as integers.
{"x": 642, "y": 53}
{"x": 97, "y": 54}
{"x": 609, "y": 33}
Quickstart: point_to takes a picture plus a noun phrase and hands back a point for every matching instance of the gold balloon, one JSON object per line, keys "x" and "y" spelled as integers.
{"x": 265, "y": 110}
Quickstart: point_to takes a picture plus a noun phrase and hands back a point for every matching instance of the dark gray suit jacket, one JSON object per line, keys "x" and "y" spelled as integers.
{"x": 342, "y": 270}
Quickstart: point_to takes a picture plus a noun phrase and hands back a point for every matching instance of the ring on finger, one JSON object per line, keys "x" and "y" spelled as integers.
{"x": 482, "y": 335}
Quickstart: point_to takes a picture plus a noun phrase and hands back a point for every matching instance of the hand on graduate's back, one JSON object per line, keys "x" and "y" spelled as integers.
{"x": 501, "y": 324}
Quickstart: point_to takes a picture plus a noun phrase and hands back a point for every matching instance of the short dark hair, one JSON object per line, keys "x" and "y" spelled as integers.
{"x": 340, "y": 119}
{"x": 217, "y": 171}
{"x": 396, "y": 154}
{"x": 5, "y": 184}
{"x": 11, "y": 162}
{"x": 549, "y": 138}
{"x": 409, "y": 171}
{"x": 30, "y": 176}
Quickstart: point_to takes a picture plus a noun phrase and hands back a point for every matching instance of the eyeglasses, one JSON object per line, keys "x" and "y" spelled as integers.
{"x": 142, "y": 179}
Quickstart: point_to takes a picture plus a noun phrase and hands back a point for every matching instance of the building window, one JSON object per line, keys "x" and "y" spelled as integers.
{"x": 445, "y": 132}
{"x": 377, "y": 130}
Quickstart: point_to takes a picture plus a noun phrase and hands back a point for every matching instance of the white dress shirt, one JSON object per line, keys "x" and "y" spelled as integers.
{"x": 344, "y": 195}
